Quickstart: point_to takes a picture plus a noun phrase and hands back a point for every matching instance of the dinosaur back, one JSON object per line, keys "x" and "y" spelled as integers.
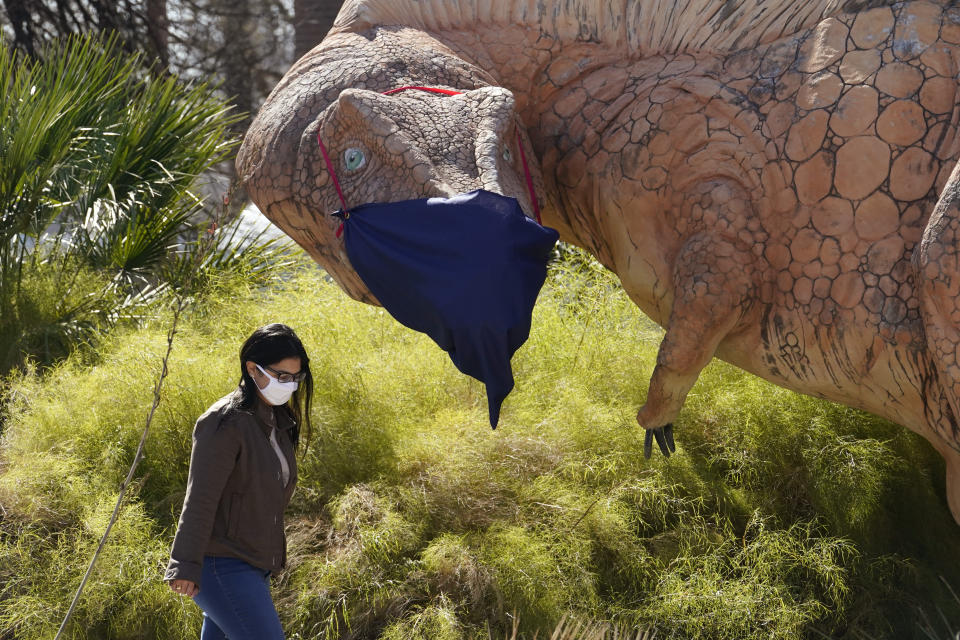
{"x": 637, "y": 27}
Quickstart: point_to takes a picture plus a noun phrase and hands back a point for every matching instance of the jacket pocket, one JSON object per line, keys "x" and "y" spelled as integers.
{"x": 233, "y": 517}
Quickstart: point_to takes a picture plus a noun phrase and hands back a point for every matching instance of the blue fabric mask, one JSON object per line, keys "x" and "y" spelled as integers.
{"x": 464, "y": 270}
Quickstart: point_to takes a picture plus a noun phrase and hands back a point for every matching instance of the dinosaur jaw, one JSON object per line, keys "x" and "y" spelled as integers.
{"x": 317, "y": 234}
{"x": 344, "y": 274}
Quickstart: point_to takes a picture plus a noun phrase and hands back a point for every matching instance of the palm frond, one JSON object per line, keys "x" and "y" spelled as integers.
{"x": 97, "y": 161}
{"x": 256, "y": 253}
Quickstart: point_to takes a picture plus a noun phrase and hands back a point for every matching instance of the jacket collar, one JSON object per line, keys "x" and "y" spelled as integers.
{"x": 268, "y": 416}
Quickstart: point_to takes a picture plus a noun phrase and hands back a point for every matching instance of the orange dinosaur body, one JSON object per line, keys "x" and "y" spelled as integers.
{"x": 775, "y": 188}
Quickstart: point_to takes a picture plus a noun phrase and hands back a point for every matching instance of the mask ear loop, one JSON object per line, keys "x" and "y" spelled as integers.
{"x": 344, "y": 213}
{"x": 526, "y": 173}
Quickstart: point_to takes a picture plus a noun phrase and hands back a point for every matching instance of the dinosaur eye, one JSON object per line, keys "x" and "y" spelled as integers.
{"x": 354, "y": 159}
{"x": 507, "y": 156}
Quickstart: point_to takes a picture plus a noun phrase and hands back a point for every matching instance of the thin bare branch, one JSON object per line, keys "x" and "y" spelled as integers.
{"x": 209, "y": 242}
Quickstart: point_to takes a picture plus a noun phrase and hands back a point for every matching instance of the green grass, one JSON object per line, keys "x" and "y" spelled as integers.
{"x": 781, "y": 516}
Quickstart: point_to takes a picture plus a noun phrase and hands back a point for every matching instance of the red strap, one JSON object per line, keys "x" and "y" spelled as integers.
{"x": 446, "y": 92}
{"x": 336, "y": 183}
{"x": 526, "y": 173}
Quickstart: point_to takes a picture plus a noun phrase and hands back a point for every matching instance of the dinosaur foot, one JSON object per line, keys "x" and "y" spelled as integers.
{"x": 664, "y": 436}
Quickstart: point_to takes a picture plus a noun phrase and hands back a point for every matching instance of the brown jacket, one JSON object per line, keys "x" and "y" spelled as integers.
{"x": 235, "y": 495}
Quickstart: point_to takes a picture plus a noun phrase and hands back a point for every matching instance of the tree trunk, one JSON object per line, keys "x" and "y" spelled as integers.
{"x": 235, "y": 18}
{"x": 157, "y": 28}
{"x": 24, "y": 37}
{"x": 312, "y": 19}
{"x": 239, "y": 55}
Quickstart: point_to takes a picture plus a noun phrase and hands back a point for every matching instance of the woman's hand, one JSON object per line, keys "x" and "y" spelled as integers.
{"x": 184, "y": 587}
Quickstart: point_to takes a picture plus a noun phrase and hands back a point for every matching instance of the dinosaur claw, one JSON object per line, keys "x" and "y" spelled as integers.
{"x": 664, "y": 436}
{"x": 661, "y": 440}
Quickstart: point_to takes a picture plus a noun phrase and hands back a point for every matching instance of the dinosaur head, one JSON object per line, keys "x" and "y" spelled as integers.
{"x": 389, "y": 148}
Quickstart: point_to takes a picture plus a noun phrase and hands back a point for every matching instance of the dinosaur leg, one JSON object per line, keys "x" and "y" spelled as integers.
{"x": 938, "y": 273}
{"x": 713, "y": 285}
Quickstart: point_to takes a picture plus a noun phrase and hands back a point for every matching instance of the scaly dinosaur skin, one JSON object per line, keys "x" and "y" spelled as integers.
{"x": 767, "y": 193}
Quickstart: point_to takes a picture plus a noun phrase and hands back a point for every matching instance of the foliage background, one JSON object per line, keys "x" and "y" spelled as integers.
{"x": 242, "y": 46}
{"x": 781, "y": 516}
{"x": 100, "y": 164}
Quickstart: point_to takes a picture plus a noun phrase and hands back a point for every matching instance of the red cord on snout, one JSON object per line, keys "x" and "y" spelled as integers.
{"x": 336, "y": 183}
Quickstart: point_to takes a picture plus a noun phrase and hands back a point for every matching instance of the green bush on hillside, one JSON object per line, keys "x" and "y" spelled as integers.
{"x": 781, "y": 516}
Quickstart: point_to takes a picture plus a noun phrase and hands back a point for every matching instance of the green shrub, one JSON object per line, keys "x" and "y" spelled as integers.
{"x": 761, "y": 584}
{"x": 781, "y": 516}
{"x": 98, "y": 210}
{"x": 435, "y": 622}
{"x": 54, "y": 518}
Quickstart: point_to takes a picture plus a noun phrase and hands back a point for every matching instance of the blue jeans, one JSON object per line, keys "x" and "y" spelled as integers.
{"x": 236, "y": 602}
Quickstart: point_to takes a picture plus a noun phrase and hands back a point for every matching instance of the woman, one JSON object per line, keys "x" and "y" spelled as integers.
{"x": 242, "y": 473}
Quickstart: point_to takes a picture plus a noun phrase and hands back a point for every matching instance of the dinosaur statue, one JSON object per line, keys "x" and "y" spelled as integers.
{"x": 773, "y": 182}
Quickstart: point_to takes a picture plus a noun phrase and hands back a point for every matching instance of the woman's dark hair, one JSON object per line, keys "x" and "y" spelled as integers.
{"x": 268, "y": 345}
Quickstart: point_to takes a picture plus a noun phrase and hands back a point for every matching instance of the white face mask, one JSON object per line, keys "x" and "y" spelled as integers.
{"x": 276, "y": 392}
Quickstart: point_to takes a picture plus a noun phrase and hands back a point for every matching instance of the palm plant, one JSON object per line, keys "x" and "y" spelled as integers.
{"x": 97, "y": 160}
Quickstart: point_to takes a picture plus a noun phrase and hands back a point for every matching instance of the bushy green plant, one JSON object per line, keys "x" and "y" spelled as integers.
{"x": 435, "y": 622}
{"x": 97, "y": 213}
{"x": 758, "y": 584}
{"x": 781, "y": 516}
{"x": 54, "y": 513}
